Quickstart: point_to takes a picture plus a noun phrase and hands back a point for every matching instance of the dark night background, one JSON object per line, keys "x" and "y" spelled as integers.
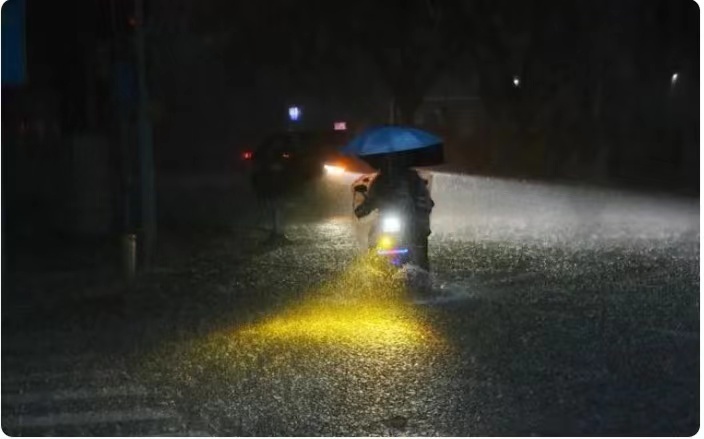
{"x": 595, "y": 101}
{"x": 565, "y": 245}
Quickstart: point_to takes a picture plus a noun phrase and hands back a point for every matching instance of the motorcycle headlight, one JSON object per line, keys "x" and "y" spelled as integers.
{"x": 390, "y": 224}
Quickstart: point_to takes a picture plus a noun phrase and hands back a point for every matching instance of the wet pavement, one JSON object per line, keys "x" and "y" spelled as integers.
{"x": 551, "y": 311}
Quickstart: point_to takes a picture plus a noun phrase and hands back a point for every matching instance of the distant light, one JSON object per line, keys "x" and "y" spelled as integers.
{"x": 294, "y": 113}
{"x": 340, "y": 126}
{"x": 516, "y": 81}
{"x": 247, "y": 155}
{"x": 286, "y": 155}
{"x": 674, "y": 78}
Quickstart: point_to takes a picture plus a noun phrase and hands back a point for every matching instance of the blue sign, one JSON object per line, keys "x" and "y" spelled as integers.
{"x": 13, "y": 49}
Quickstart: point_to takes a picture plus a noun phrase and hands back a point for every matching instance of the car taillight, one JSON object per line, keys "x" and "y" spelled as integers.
{"x": 247, "y": 155}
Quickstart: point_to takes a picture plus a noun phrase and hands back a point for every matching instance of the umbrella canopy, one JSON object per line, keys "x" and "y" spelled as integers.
{"x": 390, "y": 139}
{"x": 406, "y": 145}
{"x": 402, "y": 145}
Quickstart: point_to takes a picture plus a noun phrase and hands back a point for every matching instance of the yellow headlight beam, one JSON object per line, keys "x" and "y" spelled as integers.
{"x": 364, "y": 324}
{"x": 361, "y": 311}
{"x": 386, "y": 242}
{"x": 362, "y": 307}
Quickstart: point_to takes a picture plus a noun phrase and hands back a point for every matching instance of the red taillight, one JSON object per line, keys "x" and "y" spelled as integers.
{"x": 247, "y": 155}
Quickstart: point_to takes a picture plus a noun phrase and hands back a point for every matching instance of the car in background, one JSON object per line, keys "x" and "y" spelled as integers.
{"x": 302, "y": 155}
{"x": 286, "y": 161}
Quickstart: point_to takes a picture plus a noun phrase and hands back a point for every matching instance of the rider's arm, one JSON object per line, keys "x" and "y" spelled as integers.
{"x": 365, "y": 207}
{"x": 371, "y": 199}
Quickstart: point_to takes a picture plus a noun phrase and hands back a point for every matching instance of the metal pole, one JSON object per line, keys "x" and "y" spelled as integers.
{"x": 146, "y": 155}
{"x": 129, "y": 255}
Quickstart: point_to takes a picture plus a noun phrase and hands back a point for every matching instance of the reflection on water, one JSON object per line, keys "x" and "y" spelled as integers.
{"x": 354, "y": 348}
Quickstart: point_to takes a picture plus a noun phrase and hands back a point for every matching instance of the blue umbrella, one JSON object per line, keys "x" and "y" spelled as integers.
{"x": 412, "y": 146}
{"x": 390, "y": 139}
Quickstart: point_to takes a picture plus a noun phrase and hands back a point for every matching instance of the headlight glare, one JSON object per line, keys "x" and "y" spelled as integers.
{"x": 390, "y": 224}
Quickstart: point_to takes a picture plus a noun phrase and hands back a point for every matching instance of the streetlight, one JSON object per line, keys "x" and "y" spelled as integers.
{"x": 674, "y": 78}
{"x": 516, "y": 81}
{"x": 294, "y": 114}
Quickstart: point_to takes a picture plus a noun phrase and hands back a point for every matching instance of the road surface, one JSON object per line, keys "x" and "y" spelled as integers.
{"x": 552, "y": 310}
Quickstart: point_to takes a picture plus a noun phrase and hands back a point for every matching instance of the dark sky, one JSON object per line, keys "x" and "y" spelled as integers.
{"x": 53, "y": 50}
{"x": 647, "y": 42}
{"x": 58, "y": 31}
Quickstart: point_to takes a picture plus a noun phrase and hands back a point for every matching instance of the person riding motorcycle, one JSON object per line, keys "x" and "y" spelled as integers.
{"x": 401, "y": 188}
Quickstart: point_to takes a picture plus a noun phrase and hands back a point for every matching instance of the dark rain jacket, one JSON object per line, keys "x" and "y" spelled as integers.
{"x": 406, "y": 192}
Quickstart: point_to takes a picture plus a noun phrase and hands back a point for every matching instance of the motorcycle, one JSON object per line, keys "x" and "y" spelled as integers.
{"x": 390, "y": 235}
{"x": 390, "y": 239}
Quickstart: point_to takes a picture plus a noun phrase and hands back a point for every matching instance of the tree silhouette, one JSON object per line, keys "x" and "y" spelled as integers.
{"x": 410, "y": 43}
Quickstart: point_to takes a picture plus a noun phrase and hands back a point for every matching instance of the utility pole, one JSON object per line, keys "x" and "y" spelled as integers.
{"x": 145, "y": 148}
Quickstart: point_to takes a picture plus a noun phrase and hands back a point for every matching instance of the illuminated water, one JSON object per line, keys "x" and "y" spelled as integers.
{"x": 490, "y": 209}
{"x": 538, "y": 294}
